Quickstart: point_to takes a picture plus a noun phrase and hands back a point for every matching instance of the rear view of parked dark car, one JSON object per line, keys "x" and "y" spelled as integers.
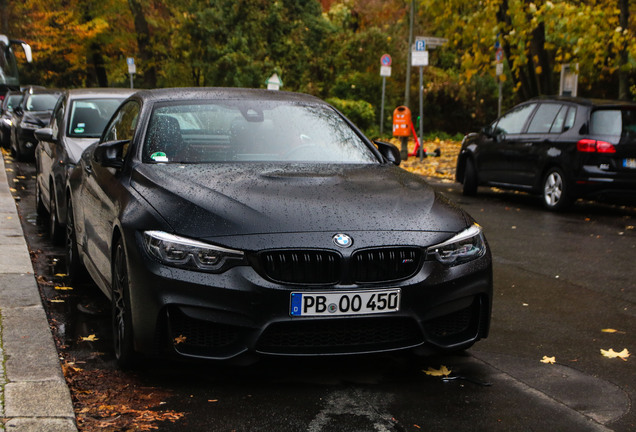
{"x": 561, "y": 148}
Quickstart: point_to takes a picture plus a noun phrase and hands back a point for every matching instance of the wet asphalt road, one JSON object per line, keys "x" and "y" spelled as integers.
{"x": 560, "y": 279}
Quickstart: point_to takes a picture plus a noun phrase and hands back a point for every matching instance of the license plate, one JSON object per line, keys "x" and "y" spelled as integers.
{"x": 345, "y": 302}
{"x": 629, "y": 163}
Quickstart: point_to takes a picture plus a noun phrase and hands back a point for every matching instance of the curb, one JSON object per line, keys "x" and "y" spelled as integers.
{"x": 34, "y": 393}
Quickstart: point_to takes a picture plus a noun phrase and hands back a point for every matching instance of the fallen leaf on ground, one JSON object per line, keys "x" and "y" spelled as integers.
{"x": 63, "y": 288}
{"x": 609, "y": 330}
{"x": 179, "y": 339}
{"x": 613, "y": 354}
{"x": 546, "y": 359}
{"x": 90, "y": 338}
{"x": 442, "y": 371}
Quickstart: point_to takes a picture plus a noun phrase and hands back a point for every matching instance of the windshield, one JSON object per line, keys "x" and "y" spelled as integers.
{"x": 617, "y": 122}
{"x": 242, "y": 130}
{"x": 13, "y": 101}
{"x": 88, "y": 117}
{"x": 41, "y": 102}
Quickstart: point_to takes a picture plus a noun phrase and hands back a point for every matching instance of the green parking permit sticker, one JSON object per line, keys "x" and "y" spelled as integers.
{"x": 159, "y": 157}
{"x": 78, "y": 130}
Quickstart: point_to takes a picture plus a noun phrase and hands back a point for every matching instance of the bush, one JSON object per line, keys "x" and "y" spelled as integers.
{"x": 360, "y": 112}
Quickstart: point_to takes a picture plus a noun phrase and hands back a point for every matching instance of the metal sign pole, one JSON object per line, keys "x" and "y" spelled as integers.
{"x": 382, "y": 106}
{"x": 500, "y": 98}
{"x": 421, "y": 112}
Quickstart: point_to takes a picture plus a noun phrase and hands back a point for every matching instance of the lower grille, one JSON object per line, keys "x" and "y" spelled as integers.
{"x": 339, "y": 336}
{"x": 456, "y": 327}
{"x": 196, "y": 337}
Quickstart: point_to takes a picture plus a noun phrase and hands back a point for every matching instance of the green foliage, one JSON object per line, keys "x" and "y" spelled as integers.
{"x": 360, "y": 112}
{"x": 335, "y": 54}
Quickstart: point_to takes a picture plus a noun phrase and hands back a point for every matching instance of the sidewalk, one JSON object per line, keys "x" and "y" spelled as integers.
{"x": 34, "y": 396}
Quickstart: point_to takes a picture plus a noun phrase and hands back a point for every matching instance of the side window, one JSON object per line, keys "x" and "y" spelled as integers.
{"x": 569, "y": 119}
{"x": 57, "y": 118}
{"x": 122, "y": 126}
{"x": 559, "y": 121}
{"x": 514, "y": 121}
{"x": 544, "y": 118}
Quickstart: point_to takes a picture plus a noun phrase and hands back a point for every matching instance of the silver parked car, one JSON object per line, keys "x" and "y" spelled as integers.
{"x": 78, "y": 120}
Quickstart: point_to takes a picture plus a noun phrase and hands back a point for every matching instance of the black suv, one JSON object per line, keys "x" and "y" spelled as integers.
{"x": 560, "y": 147}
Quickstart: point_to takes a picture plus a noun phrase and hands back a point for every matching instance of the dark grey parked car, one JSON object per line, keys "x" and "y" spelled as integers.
{"x": 78, "y": 120}
{"x": 230, "y": 222}
{"x": 11, "y": 99}
{"x": 33, "y": 112}
{"x": 561, "y": 148}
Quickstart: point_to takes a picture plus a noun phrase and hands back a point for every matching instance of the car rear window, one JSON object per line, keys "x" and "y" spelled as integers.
{"x": 617, "y": 122}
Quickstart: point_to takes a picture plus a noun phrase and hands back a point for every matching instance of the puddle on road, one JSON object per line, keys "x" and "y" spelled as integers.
{"x": 80, "y": 314}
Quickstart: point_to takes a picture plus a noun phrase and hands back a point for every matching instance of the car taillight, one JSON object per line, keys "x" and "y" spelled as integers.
{"x": 594, "y": 146}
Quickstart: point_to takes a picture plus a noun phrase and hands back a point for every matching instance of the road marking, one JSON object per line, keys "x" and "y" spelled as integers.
{"x": 354, "y": 403}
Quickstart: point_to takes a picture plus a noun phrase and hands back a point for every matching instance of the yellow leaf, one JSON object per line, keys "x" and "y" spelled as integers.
{"x": 609, "y": 330}
{"x": 613, "y": 354}
{"x": 57, "y": 301}
{"x": 548, "y": 360}
{"x": 91, "y": 338}
{"x": 60, "y": 275}
{"x": 442, "y": 371}
{"x": 63, "y": 288}
{"x": 179, "y": 339}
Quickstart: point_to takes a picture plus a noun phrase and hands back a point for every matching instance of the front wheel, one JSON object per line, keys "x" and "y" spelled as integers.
{"x": 55, "y": 229}
{"x": 556, "y": 190}
{"x": 470, "y": 178}
{"x": 121, "y": 313}
{"x": 74, "y": 268}
{"x": 40, "y": 208}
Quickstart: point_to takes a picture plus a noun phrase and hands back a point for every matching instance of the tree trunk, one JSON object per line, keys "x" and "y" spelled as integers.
{"x": 623, "y": 73}
{"x": 149, "y": 75}
{"x": 533, "y": 81}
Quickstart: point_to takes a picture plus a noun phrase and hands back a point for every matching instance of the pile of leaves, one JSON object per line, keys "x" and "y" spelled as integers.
{"x": 440, "y": 167}
{"x": 114, "y": 401}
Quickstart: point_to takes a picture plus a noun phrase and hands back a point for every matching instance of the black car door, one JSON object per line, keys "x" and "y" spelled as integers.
{"x": 495, "y": 155}
{"x": 528, "y": 151}
{"x": 103, "y": 191}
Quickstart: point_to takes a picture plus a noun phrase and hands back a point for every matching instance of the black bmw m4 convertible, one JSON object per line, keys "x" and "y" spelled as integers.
{"x": 225, "y": 223}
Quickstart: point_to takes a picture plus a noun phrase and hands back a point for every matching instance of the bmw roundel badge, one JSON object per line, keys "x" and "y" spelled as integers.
{"x": 342, "y": 240}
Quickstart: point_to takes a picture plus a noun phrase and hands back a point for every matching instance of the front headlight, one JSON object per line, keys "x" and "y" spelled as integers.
{"x": 191, "y": 254}
{"x": 465, "y": 246}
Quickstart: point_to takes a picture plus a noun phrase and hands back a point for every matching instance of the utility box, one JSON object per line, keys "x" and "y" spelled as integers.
{"x": 402, "y": 122}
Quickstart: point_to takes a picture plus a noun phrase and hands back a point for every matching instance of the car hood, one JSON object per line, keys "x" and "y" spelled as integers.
{"x": 75, "y": 146}
{"x": 39, "y": 117}
{"x": 213, "y": 200}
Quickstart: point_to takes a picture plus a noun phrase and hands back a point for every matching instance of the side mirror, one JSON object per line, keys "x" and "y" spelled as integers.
{"x": 45, "y": 134}
{"x": 390, "y": 152}
{"x": 108, "y": 154}
{"x": 488, "y": 131}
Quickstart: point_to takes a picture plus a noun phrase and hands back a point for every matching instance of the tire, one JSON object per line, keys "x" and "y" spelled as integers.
{"x": 120, "y": 310}
{"x": 555, "y": 190}
{"x": 56, "y": 231}
{"x": 74, "y": 267}
{"x": 40, "y": 208}
{"x": 470, "y": 178}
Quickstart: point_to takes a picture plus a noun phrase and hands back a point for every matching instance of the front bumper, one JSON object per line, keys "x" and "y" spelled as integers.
{"x": 222, "y": 316}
